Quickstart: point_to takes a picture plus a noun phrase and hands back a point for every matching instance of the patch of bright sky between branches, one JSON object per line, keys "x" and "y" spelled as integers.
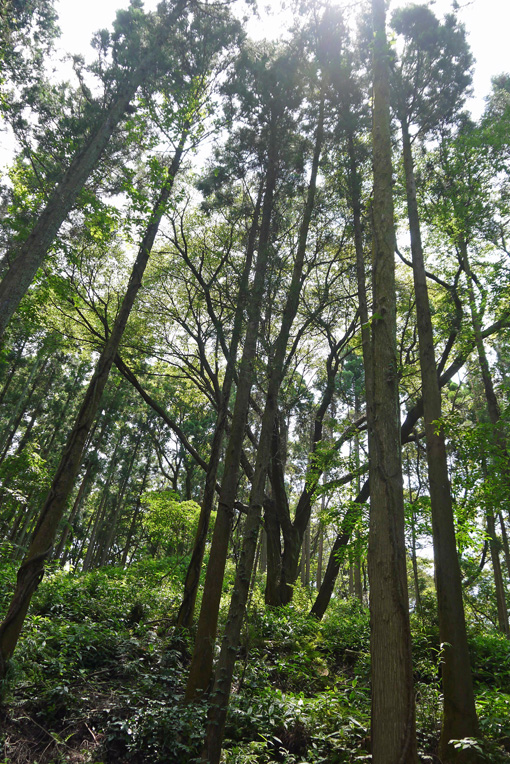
{"x": 486, "y": 21}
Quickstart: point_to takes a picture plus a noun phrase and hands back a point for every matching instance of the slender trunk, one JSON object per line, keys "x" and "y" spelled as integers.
{"x": 112, "y": 524}
{"x": 358, "y": 586}
{"x": 393, "y": 716}
{"x": 328, "y": 582}
{"x": 136, "y": 512}
{"x": 17, "y": 537}
{"x": 47, "y": 445}
{"x": 306, "y": 556}
{"x": 42, "y": 395}
{"x": 274, "y": 553}
{"x": 263, "y": 552}
{"x": 23, "y": 401}
{"x": 93, "y": 547}
{"x": 414, "y": 560}
{"x": 353, "y": 513}
{"x": 187, "y": 608}
{"x": 12, "y": 371}
{"x": 202, "y": 659}
{"x": 27, "y": 257}
{"x": 99, "y": 513}
{"x": 224, "y": 671}
{"x": 459, "y": 713}
{"x": 41, "y": 546}
{"x": 293, "y": 532}
{"x": 320, "y": 550}
{"x": 74, "y": 512}
{"x": 506, "y": 547}
{"x": 498, "y": 576}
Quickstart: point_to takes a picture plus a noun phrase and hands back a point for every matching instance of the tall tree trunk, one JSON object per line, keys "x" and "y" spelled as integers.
{"x": 27, "y": 257}
{"x": 41, "y": 546}
{"x": 506, "y": 546}
{"x": 393, "y": 715}
{"x": 459, "y": 713}
{"x": 230, "y": 643}
{"x": 320, "y": 550}
{"x": 138, "y": 506}
{"x": 498, "y": 576}
{"x": 187, "y": 608}
{"x": 202, "y": 660}
{"x": 274, "y": 553}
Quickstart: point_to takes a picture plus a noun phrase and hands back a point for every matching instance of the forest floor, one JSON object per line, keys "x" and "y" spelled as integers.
{"x": 100, "y": 672}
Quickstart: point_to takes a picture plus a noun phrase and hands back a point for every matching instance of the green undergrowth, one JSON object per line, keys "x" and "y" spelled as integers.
{"x": 99, "y": 677}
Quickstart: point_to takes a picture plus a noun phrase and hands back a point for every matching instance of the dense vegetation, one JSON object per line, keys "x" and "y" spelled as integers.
{"x": 100, "y": 671}
{"x": 254, "y": 392}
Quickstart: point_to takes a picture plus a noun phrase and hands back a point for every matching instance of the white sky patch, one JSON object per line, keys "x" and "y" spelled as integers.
{"x": 486, "y": 21}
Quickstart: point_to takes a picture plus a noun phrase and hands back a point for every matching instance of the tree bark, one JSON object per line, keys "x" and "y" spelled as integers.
{"x": 393, "y": 715}
{"x": 187, "y": 608}
{"x": 224, "y": 671}
{"x": 202, "y": 660}
{"x": 459, "y": 713}
{"x": 498, "y": 576}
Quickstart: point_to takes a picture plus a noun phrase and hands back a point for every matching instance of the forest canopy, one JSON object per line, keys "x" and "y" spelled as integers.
{"x": 254, "y": 390}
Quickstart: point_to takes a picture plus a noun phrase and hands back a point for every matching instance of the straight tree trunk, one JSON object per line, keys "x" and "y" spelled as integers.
{"x": 262, "y": 566}
{"x": 230, "y": 643}
{"x": 274, "y": 553}
{"x": 459, "y": 713}
{"x": 393, "y": 715}
{"x": 41, "y": 546}
{"x": 138, "y": 506}
{"x": 187, "y": 608}
{"x": 320, "y": 551}
{"x": 498, "y": 576}
{"x": 12, "y": 371}
{"x": 506, "y": 547}
{"x": 202, "y": 660}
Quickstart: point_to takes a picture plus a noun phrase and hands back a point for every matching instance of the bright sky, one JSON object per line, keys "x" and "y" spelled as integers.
{"x": 487, "y": 23}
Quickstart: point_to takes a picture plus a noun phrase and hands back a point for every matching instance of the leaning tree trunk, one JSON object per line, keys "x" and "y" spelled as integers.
{"x": 393, "y": 715}
{"x": 459, "y": 713}
{"x": 351, "y": 517}
{"x": 28, "y": 256}
{"x": 41, "y": 546}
